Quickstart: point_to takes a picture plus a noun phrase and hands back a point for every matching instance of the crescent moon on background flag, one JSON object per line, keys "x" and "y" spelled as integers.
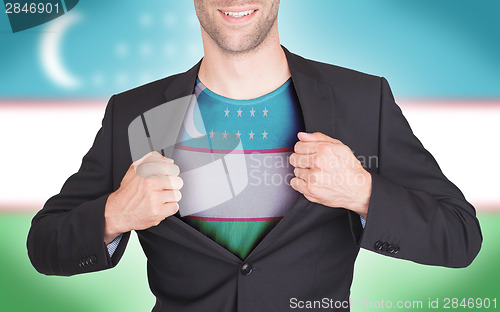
{"x": 50, "y": 51}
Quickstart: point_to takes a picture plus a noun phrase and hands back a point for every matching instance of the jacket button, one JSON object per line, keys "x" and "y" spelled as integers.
{"x": 384, "y": 246}
{"x": 246, "y": 269}
{"x": 93, "y": 260}
{"x": 82, "y": 263}
{"x": 390, "y": 249}
{"x": 396, "y": 249}
{"x": 378, "y": 245}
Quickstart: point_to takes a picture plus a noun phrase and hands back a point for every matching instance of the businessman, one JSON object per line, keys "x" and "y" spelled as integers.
{"x": 266, "y": 245}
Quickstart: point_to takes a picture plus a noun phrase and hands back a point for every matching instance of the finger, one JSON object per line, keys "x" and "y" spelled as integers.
{"x": 316, "y": 137}
{"x": 143, "y": 158}
{"x": 306, "y": 147}
{"x": 172, "y": 169}
{"x": 170, "y": 196}
{"x": 156, "y": 157}
{"x": 301, "y": 173}
{"x": 298, "y": 184}
{"x": 135, "y": 164}
{"x": 168, "y": 160}
{"x": 172, "y": 183}
{"x": 171, "y": 208}
{"x": 302, "y": 161}
{"x": 301, "y": 186}
{"x": 157, "y": 169}
{"x": 302, "y": 147}
{"x": 311, "y": 176}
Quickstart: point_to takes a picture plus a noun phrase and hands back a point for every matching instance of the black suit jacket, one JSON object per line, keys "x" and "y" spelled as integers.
{"x": 415, "y": 212}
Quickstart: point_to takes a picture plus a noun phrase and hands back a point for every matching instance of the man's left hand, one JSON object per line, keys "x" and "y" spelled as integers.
{"x": 327, "y": 172}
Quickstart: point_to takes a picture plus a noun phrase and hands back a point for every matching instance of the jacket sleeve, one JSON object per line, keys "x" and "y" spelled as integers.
{"x": 67, "y": 236}
{"x": 415, "y": 212}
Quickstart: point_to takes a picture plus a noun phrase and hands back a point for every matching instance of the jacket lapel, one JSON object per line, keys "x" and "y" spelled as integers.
{"x": 316, "y": 98}
{"x": 318, "y": 108}
{"x": 183, "y": 84}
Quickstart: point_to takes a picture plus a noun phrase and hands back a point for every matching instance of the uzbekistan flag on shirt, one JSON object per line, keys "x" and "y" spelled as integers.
{"x": 234, "y": 159}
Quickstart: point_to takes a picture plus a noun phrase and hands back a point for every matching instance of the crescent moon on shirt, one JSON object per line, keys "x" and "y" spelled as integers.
{"x": 50, "y": 51}
{"x": 189, "y": 120}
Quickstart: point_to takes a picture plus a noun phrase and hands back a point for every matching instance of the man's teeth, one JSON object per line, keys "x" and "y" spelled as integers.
{"x": 239, "y": 14}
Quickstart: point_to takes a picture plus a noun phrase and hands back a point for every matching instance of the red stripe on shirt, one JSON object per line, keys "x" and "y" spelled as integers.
{"x": 234, "y": 219}
{"x": 229, "y": 151}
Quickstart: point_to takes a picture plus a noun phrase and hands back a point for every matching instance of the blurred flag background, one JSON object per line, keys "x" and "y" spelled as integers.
{"x": 441, "y": 58}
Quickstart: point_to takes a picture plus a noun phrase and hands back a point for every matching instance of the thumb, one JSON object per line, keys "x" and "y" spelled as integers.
{"x": 143, "y": 158}
{"x": 152, "y": 156}
{"x": 316, "y": 137}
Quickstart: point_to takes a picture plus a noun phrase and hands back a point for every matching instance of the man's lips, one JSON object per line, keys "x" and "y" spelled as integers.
{"x": 237, "y": 16}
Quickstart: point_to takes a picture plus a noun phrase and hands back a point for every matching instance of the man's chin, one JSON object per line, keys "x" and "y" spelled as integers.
{"x": 240, "y": 46}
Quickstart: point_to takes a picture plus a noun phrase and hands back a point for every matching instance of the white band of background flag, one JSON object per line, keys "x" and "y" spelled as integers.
{"x": 62, "y": 130}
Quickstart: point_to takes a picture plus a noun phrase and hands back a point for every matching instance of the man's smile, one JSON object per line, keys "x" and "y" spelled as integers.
{"x": 237, "y": 15}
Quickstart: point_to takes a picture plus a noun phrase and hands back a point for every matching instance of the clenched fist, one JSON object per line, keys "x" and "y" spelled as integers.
{"x": 148, "y": 193}
{"x": 327, "y": 172}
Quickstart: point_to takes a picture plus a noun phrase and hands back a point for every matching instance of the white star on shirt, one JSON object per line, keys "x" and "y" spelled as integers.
{"x": 265, "y": 111}
{"x": 264, "y": 134}
{"x": 239, "y": 112}
{"x": 227, "y": 112}
{"x": 252, "y": 113}
{"x": 224, "y": 135}
{"x": 251, "y": 134}
{"x": 238, "y": 134}
{"x": 212, "y": 134}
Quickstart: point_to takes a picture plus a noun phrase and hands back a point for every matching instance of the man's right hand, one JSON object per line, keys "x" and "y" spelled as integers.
{"x": 148, "y": 193}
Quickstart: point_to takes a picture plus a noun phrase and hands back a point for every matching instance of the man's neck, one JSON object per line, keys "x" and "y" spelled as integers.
{"x": 244, "y": 76}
